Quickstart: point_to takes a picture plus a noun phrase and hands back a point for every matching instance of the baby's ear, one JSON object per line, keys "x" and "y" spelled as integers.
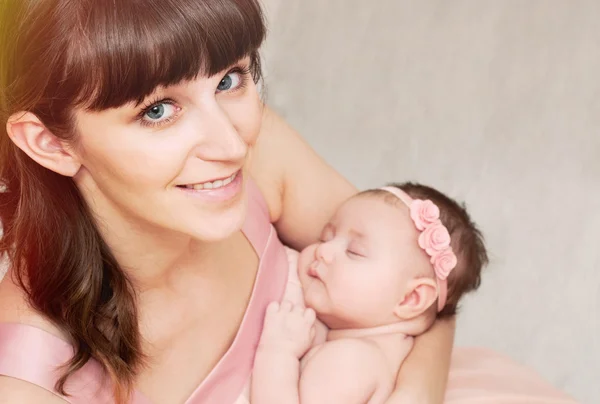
{"x": 421, "y": 293}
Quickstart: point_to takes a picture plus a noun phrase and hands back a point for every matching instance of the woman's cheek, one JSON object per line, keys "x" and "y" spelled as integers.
{"x": 246, "y": 116}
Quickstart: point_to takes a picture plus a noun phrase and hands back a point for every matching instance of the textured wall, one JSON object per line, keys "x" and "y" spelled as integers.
{"x": 494, "y": 102}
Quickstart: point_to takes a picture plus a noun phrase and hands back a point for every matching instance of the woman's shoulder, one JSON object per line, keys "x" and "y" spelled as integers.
{"x": 18, "y": 391}
{"x": 295, "y": 181}
{"x": 265, "y": 167}
{"x": 14, "y": 308}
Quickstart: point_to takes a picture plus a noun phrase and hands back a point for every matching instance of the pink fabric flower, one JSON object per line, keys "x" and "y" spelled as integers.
{"x": 424, "y": 213}
{"x": 435, "y": 238}
{"x": 443, "y": 263}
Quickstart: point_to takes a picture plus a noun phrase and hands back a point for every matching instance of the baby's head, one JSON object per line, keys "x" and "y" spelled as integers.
{"x": 370, "y": 269}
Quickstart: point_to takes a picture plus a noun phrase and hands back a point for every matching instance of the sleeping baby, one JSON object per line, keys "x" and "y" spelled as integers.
{"x": 388, "y": 264}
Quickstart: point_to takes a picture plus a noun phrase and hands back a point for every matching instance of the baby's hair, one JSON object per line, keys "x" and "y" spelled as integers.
{"x": 466, "y": 240}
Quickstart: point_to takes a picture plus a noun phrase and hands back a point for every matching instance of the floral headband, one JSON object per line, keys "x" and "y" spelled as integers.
{"x": 434, "y": 239}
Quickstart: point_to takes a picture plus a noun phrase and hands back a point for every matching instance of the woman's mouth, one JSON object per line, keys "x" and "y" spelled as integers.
{"x": 220, "y": 190}
{"x": 211, "y": 184}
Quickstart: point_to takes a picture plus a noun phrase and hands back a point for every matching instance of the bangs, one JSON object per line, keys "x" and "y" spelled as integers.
{"x": 123, "y": 50}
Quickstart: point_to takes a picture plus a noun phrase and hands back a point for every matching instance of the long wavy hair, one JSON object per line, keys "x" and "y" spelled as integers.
{"x": 58, "y": 55}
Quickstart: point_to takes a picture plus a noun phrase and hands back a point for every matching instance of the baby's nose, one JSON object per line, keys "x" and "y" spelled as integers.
{"x": 325, "y": 252}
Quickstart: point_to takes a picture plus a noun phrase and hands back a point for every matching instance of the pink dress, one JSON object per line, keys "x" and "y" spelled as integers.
{"x": 32, "y": 355}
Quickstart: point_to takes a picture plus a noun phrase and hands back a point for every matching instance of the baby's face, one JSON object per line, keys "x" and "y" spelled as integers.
{"x": 358, "y": 272}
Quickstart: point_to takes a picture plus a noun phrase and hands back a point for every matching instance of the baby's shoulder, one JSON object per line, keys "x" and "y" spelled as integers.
{"x": 360, "y": 372}
{"x": 349, "y": 353}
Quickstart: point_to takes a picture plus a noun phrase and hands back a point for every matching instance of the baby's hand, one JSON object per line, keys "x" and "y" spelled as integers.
{"x": 288, "y": 329}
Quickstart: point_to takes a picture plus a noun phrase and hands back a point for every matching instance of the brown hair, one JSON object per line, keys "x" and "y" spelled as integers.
{"x": 467, "y": 241}
{"x": 57, "y": 55}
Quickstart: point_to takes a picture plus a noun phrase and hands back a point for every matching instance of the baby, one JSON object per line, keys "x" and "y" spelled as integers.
{"x": 389, "y": 263}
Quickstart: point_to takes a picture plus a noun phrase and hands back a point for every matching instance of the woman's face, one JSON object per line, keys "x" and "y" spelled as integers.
{"x": 175, "y": 162}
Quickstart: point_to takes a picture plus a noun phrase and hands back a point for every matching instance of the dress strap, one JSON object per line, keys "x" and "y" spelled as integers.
{"x": 35, "y": 356}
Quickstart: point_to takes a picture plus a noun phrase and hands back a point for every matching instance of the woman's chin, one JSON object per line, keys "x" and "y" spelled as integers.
{"x": 216, "y": 233}
{"x": 213, "y": 228}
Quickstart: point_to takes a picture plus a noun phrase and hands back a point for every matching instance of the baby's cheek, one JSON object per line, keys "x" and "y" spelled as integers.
{"x": 306, "y": 257}
{"x": 316, "y": 298}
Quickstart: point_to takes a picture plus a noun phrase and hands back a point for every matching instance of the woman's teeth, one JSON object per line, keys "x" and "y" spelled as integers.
{"x": 212, "y": 185}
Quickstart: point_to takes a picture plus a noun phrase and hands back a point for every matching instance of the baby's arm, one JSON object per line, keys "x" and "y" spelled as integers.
{"x": 287, "y": 334}
{"x": 346, "y": 371}
{"x": 275, "y": 378}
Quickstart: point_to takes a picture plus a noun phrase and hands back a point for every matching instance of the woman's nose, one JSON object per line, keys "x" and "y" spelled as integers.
{"x": 220, "y": 139}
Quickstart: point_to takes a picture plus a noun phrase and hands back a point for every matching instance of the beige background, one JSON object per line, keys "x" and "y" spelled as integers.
{"x": 495, "y": 102}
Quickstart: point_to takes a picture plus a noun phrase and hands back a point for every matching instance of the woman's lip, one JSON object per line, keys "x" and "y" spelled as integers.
{"x": 207, "y": 181}
{"x": 222, "y": 194}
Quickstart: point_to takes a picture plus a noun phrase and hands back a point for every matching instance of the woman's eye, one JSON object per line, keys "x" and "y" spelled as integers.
{"x": 160, "y": 112}
{"x": 231, "y": 81}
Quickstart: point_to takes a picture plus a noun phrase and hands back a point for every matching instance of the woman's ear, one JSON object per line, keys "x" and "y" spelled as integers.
{"x": 29, "y": 134}
{"x": 421, "y": 293}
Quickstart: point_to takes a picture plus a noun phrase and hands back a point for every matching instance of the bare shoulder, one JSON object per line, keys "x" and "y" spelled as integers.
{"x": 15, "y": 309}
{"x": 17, "y": 391}
{"x": 296, "y": 182}
{"x": 359, "y": 367}
{"x": 351, "y": 352}
{"x": 265, "y": 163}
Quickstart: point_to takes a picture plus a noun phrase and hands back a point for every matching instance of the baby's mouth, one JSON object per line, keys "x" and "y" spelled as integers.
{"x": 312, "y": 270}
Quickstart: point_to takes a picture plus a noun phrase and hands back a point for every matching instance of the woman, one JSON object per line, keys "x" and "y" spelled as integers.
{"x": 142, "y": 175}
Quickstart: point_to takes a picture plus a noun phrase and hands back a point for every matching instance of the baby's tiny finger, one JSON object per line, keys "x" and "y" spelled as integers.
{"x": 310, "y": 315}
{"x": 273, "y": 307}
{"x": 286, "y": 306}
{"x": 298, "y": 309}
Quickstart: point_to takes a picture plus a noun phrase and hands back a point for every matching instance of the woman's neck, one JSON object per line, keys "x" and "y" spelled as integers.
{"x": 155, "y": 258}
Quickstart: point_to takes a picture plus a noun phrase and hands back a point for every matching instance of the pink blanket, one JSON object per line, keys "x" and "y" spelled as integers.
{"x": 481, "y": 376}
